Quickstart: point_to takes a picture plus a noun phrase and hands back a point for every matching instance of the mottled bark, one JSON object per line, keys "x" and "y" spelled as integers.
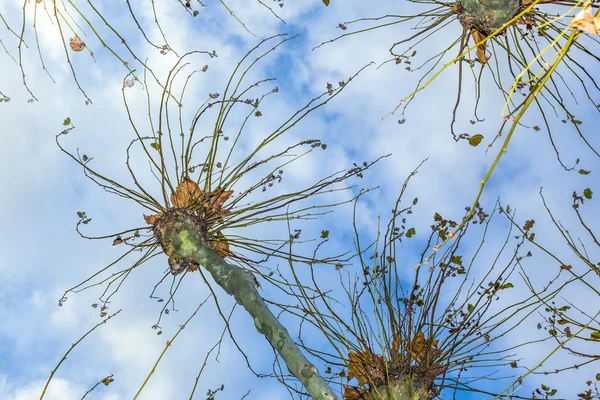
{"x": 181, "y": 235}
{"x": 401, "y": 389}
{"x": 487, "y": 16}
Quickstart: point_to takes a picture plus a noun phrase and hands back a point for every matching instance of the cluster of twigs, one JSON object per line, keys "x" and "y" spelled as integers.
{"x": 528, "y": 38}
{"x": 571, "y": 324}
{"x": 82, "y": 26}
{"x": 434, "y": 330}
{"x": 229, "y": 191}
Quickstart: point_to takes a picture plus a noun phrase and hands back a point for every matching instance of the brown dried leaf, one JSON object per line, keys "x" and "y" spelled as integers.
{"x": 352, "y": 393}
{"x": 192, "y": 267}
{"x": 365, "y": 366}
{"x": 185, "y": 193}
{"x": 108, "y": 380}
{"x": 528, "y": 225}
{"x": 77, "y": 44}
{"x": 478, "y": 37}
{"x": 220, "y": 245}
{"x": 418, "y": 346}
{"x": 585, "y": 21}
{"x": 525, "y": 21}
{"x": 436, "y": 370}
{"x": 151, "y": 219}
{"x": 118, "y": 240}
{"x": 396, "y": 341}
{"x": 219, "y": 197}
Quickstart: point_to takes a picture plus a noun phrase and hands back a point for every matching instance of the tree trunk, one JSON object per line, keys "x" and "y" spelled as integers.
{"x": 180, "y": 234}
{"x": 487, "y": 16}
{"x": 402, "y": 389}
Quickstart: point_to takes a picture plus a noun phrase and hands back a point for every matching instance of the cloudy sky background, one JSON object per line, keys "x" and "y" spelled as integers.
{"x": 42, "y": 255}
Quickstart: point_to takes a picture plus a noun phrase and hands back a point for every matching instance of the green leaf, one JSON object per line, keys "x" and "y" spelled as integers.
{"x": 531, "y": 237}
{"x": 414, "y": 53}
{"x": 155, "y": 146}
{"x": 576, "y": 121}
{"x": 136, "y": 233}
{"x": 415, "y": 201}
{"x": 410, "y": 232}
{"x": 326, "y": 2}
{"x": 507, "y": 286}
{"x": 470, "y": 308}
{"x": 457, "y": 260}
{"x": 587, "y": 193}
{"x": 584, "y": 172}
{"x": 598, "y": 377}
{"x": 324, "y": 234}
{"x": 564, "y": 308}
{"x": 595, "y": 335}
{"x": 475, "y": 140}
{"x": 67, "y": 121}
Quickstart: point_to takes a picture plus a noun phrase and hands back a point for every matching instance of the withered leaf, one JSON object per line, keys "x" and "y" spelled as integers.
{"x": 107, "y": 381}
{"x": 478, "y": 37}
{"x": 192, "y": 267}
{"x": 396, "y": 341}
{"x": 585, "y": 21}
{"x": 185, "y": 193}
{"x": 528, "y": 225}
{"x": 151, "y": 219}
{"x": 76, "y": 44}
{"x": 220, "y": 245}
{"x": 220, "y": 197}
{"x": 365, "y": 366}
{"x": 352, "y": 393}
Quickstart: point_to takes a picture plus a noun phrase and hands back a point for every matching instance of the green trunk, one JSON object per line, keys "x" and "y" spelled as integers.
{"x": 487, "y": 16}
{"x": 180, "y": 234}
{"x": 402, "y": 389}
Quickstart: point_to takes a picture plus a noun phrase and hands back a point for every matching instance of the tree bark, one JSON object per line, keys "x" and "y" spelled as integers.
{"x": 401, "y": 389}
{"x": 487, "y": 16}
{"x": 180, "y": 234}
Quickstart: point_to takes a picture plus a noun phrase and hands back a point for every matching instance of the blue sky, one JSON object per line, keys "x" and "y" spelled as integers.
{"x": 41, "y": 254}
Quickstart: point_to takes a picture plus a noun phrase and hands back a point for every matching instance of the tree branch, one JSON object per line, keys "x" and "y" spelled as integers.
{"x": 181, "y": 236}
